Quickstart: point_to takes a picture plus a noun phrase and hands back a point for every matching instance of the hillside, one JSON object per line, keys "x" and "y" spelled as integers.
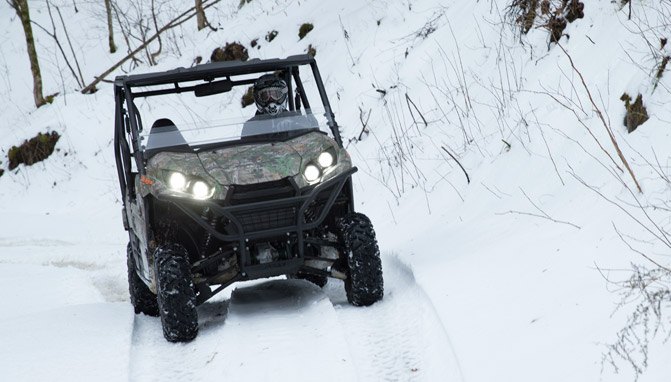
{"x": 509, "y": 225}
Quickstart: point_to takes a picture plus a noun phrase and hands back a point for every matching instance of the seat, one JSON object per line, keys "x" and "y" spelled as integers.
{"x": 164, "y": 136}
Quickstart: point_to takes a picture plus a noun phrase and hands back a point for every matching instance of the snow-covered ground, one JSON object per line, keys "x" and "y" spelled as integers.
{"x": 499, "y": 279}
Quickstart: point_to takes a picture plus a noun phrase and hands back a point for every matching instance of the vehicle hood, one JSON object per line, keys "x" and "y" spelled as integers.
{"x": 263, "y": 162}
{"x": 251, "y": 164}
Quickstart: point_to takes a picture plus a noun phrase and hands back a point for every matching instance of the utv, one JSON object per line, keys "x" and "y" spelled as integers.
{"x": 206, "y": 205}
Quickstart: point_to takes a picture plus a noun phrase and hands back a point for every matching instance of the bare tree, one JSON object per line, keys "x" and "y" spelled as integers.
{"x": 21, "y": 8}
{"x": 110, "y": 30}
{"x": 200, "y": 15}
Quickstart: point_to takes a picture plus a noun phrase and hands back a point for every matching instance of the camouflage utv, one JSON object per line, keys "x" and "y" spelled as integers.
{"x": 206, "y": 205}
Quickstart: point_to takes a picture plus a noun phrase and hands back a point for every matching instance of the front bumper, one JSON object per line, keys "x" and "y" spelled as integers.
{"x": 290, "y": 216}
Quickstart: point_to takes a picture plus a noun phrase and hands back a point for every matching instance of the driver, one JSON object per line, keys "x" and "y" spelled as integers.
{"x": 271, "y": 95}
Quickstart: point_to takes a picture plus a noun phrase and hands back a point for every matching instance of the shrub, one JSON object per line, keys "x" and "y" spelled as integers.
{"x": 231, "y": 52}
{"x": 312, "y": 51}
{"x": 529, "y": 16}
{"x": 34, "y": 150}
{"x": 545, "y": 7}
{"x": 552, "y": 15}
{"x": 523, "y": 13}
{"x": 650, "y": 290}
{"x": 574, "y": 10}
{"x": 636, "y": 114}
{"x": 662, "y": 68}
{"x": 556, "y": 26}
{"x": 304, "y": 30}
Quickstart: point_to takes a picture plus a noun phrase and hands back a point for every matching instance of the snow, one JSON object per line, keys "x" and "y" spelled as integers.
{"x": 477, "y": 288}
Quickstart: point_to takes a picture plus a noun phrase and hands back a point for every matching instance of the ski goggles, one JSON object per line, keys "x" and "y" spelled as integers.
{"x": 271, "y": 95}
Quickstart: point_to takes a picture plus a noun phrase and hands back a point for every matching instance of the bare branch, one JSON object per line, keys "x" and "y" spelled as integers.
{"x": 179, "y": 20}
{"x": 468, "y": 179}
{"x": 603, "y": 120}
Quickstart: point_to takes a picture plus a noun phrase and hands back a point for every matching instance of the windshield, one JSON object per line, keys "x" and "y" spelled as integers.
{"x": 166, "y": 133}
{"x": 182, "y": 120}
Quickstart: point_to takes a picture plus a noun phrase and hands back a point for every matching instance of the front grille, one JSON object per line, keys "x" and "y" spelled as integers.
{"x": 313, "y": 211}
{"x": 255, "y": 221}
{"x": 251, "y": 193}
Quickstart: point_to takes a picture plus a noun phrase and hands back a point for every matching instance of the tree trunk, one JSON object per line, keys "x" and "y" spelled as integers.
{"x": 200, "y": 15}
{"x": 110, "y": 30}
{"x": 21, "y": 8}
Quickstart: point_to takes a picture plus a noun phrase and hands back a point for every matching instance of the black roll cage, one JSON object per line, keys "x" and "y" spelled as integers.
{"x": 128, "y": 123}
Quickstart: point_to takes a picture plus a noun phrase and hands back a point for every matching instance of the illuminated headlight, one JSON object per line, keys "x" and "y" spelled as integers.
{"x": 200, "y": 190}
{"x": 326, "y": 159}
{"x": 177, "y": 181}
{"x": 184, "y": 186}
{"x": 311, "y": 173}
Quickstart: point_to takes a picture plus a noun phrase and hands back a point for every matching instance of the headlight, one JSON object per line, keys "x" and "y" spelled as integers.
{"x": 184, "y": 186}
{"x": 201, "y": 190}
{"x": 326, "y": 159}
{"x": 177, "y": 181}
{"x": 311, "y": 173}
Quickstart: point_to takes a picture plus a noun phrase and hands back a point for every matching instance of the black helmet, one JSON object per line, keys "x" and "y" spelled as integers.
{"x": 270, "y": 94}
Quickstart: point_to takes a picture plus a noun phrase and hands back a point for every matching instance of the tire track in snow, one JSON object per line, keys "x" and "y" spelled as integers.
{"x": 292, "y": 330}
{"x": 273, "y": 330}
{"x": 399, "y": 338}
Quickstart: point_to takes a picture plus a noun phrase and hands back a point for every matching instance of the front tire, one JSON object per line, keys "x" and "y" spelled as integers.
{"x": 176, "y": 293}
{"x": 143, "y": 300}
{"x": 364, "y": 284}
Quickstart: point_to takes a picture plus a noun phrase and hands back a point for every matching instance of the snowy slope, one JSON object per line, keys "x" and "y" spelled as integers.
{"x": 493, "y": 280}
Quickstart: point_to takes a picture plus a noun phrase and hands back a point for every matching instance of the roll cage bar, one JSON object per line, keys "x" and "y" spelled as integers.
{"x": 128, "y": 122}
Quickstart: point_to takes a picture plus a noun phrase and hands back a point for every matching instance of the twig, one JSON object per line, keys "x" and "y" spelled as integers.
{"x": 67, "y": 37}
{"x": 589, "y": 131}
{"x": 603, "y": 120}
{"x": 363, "y": 124}
{"x": 60, "y": 48}
{"x": 410, "y": 102}
{"x": 468, "y": 178}
{"x": 347, "y": 42}
{"x": 537, "y": 216}
{"x": 637, "y": 251}
{"x": 160, "y": 43}
{"x": 121, "y": 26}
{"x": 661, "y": 238}
{"x": 179, "y": 20}
{"x": 548, "y": 148}
{"x": 545, "y": 215}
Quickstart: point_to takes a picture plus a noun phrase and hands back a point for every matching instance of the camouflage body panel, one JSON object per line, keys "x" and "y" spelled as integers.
{"x": 313, "y": 144}
{"x": 135, "y": 214}
{"x": 343, "y": 163}
{"x": 250, "y": 164}
{"x": 165, "y": 162}
{"x": 245, "y": 164}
